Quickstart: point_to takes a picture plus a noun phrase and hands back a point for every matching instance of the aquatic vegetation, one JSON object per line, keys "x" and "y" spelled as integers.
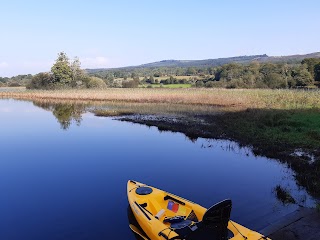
{"x": 111, "y": 113}
{"x": 318, "y": 206}
{"x": 284, "y": 195}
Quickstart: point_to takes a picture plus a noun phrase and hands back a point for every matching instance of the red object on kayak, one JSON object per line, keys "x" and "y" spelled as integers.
{"x": 175, "y": 207}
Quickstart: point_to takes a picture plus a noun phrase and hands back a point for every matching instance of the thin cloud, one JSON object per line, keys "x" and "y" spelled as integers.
{"x": 95, "y": 62}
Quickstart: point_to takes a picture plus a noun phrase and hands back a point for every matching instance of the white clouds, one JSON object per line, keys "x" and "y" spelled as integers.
{"x": 95, "y": 62}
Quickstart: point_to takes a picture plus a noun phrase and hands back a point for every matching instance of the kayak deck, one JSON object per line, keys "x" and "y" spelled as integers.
{"x": 163, "y": 215}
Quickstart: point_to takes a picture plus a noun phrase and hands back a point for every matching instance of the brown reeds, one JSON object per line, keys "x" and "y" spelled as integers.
{"x": 243, "y": 98}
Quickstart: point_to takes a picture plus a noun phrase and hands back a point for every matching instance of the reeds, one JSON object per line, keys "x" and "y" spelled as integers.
{"x": 243, "y": 98}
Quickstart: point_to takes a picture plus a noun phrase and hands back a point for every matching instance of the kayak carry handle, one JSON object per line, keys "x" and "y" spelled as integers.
{"x": 174, "y": 199}
{"x": 163, "y": 235}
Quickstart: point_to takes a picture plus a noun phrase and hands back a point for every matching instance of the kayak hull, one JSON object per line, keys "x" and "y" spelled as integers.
{"x": 151, "y": 206}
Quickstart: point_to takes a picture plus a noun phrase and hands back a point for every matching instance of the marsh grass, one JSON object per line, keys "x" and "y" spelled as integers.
{"x": 137, "y": 108}
{"x": 241, "y": 98}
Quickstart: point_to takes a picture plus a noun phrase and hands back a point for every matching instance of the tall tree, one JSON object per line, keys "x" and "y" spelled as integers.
{"x": 77, "y": 72}
{"x": 61, "y": 70}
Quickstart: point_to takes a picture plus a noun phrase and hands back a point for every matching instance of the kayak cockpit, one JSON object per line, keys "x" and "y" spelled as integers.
{"x": 214, "y": 224}
{"x": 182, "y": 217}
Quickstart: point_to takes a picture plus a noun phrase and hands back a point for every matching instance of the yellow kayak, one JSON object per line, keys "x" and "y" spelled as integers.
{"x": 162, "y": 215}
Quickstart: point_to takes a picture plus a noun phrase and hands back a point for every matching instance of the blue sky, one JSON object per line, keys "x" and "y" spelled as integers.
{"x": 120, "y": 33}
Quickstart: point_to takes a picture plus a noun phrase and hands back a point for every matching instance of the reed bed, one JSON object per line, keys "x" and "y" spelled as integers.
{"x": 137, "y": 108}
{"x": 242, "y": 98}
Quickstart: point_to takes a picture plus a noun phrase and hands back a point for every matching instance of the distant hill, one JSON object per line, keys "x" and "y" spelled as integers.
{"x": 291, "y": 59}
{"x": 203, "y": 63}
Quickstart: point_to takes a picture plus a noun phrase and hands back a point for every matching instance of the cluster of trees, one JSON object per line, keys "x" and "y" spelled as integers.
{"x": 65, "y": 74}
{"x": 16, "y": 81}
{"x": 142, "y": 72}
{"x": 267, "y": 75}
{"x": 232, "y": 75}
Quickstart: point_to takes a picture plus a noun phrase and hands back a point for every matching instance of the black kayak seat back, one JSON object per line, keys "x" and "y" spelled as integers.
{"x": 218, "y": 214}
{"x": 214, "y": 224}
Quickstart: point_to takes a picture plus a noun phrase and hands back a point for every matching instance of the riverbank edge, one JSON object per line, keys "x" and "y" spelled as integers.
{"x": 306, "y": 168}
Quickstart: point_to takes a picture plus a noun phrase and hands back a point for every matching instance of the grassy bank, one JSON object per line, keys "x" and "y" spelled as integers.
{"x": 292, "y": 136}
{"x": 253, "y": 98}
{"x": 297, "y": 128}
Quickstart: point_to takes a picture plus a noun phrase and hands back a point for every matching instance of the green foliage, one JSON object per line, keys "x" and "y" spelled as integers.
{"x": 61, "y": 71}
{"x": 199, "y": 83}
{"x": 303, "y": 77}
{"x": 130, "y": 83}
{"x": 243, "y": 72}
{"x": 299, "y": 128}
{"x": 280, "y": 133}
{"x": 95, "y": 82}
{"x": 311, "y": 63}
{"x": 41, "y": 81}
{"x": 317, "y": 72}
{"x": 248, "y": 74}
{"x": 65, "y": 74}
{"x": 15, "y": 81}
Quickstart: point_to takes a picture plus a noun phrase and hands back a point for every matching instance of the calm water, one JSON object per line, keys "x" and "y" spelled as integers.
{"x": 63, "y": 173}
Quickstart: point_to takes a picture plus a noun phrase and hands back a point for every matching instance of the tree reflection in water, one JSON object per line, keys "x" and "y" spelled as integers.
{"x": 66, "y": 113}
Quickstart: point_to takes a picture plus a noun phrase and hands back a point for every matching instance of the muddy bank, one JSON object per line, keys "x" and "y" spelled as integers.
{"x": 293, "y": 147}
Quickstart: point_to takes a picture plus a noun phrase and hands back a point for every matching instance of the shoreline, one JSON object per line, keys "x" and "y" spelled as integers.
{"x": 304, "y": 161}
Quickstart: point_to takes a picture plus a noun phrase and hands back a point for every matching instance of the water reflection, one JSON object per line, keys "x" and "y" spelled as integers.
{"x": 57, "y": 190}
{"x": 65, "y": 113}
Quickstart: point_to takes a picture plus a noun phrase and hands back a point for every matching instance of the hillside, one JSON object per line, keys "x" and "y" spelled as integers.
{"x": 218, "y": 61}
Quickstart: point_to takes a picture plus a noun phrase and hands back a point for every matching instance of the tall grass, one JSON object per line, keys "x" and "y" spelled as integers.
{"x": 243, "y": 98}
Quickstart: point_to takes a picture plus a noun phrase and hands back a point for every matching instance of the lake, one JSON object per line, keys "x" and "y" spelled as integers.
{"x": 63, "y": 173}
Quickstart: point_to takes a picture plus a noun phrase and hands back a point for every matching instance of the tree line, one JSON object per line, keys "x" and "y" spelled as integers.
{"x": 232, "y": 75}
{"x": 66, "y": 73}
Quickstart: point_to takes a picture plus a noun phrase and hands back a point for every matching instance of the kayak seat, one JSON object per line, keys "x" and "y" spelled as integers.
{"x": 214, "y": 224}
{"x": 182, "y": 224}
